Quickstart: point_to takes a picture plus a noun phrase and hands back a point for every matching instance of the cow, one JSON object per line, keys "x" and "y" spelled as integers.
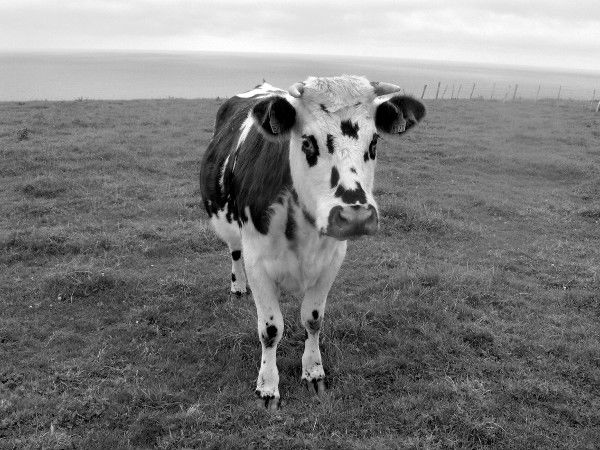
{"x": 287, "y": 180}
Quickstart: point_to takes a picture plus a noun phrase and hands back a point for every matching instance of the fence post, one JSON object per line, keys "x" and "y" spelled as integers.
{"x": 444, "y": 93}
{"x": 506, "y": 94}
{"x": 515, "y": 92}
{"x": 452, "y": 95}
{"x": 558, "y": 96}
{"x": 538, "y": 92}
{"x": 472, "y": 90}
{"x": 423, "y": 93}
{"x": 458, "y": 93}
{"x": 493, "y": 89}
{"x": 594, "y": 96}
{"x": 598, "y": 107}
{"x": 438, "y": 90}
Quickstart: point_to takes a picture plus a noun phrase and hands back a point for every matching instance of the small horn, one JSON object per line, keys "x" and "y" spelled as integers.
{"x": 384, "y": 88}
{"x": 296, "y": 89}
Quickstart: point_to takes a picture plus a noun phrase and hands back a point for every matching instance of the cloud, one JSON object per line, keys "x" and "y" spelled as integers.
{"x": 538, "y": 32}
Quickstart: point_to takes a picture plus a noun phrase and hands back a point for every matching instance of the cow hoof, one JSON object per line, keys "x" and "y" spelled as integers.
{"x": 316, "y": 386}
{"x": 268, "y": 403}
{"x": 237, "y": 294}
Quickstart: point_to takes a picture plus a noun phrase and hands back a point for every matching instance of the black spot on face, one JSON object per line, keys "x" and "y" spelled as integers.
{"x": 330, "y": 145}
{"x": 310, "y": 149}
{"x": 352, "y": 169}
{"x": 373, "y": 147}
{"x": 315, "y": 314}
{"x": 366, "y": 156}
{"x": 324, "y": 108}
{"x": 349, "y": 129}
{"x": 351, "y": 196}
{"x": 335, "y": 177}
{"x": 269, "y": 336}
{"x": 233, "y": 277}
{"x": 236, "y": 255}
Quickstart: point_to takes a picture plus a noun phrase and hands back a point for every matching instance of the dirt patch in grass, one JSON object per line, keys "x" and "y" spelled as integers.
{"x": 45, "y": 187}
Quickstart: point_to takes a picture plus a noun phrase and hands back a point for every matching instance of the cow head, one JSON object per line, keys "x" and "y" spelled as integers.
{"x": 333, "y": 125}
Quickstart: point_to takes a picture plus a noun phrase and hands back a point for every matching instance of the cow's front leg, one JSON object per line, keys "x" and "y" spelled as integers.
{"x": 270, "y": 330}
{"x": 312, "y": 315}
{"x": 312, "y": 312}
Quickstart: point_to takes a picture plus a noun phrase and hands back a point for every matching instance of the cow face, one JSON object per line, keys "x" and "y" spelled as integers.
{"x": 333, "y": 125}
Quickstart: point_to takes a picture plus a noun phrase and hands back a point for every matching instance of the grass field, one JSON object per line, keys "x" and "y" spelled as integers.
{"x": 471, "y": 320}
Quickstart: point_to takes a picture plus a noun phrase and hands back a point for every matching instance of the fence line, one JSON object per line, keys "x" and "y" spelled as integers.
{"x": 504, "y": 92}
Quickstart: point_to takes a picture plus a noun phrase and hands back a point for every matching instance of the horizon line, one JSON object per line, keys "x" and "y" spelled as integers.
{"x": 571, "y": 70}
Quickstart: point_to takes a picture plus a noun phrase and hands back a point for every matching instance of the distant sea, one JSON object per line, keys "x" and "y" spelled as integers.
{"x": 123, "y": 75}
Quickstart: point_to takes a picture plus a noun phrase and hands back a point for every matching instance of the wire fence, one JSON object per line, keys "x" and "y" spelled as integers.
{"x": 505, "y": 92}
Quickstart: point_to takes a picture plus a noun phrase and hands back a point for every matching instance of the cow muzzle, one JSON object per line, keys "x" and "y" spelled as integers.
{"x": 352, "y": 221}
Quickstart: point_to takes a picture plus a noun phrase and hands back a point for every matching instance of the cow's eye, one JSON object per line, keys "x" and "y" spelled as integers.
{"x": 306, "y": 145}
{"x": 310, "y": 149}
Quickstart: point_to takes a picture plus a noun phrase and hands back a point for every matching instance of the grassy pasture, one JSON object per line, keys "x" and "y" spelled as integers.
{"x": 471, "y": 320}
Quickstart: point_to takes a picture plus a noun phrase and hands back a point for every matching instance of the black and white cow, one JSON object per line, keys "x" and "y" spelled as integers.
{"x": 287, "y": 179}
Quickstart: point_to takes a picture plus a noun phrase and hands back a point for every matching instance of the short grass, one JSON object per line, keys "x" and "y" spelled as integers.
{"x": 471, "y": 320}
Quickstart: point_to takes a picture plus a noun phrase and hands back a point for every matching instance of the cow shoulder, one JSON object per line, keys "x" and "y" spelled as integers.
{"x": 240, "y": 168}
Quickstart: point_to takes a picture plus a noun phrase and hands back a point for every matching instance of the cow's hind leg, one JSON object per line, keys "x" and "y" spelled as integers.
{"x": 229, "y": 232}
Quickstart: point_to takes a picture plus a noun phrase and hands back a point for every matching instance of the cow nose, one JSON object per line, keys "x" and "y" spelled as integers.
{"x": 352, "y": 221}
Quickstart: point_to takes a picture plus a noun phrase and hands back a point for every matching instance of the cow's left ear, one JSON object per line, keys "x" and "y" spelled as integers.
{"x": 275, "y": 116}
{"x": 398, "y": 114}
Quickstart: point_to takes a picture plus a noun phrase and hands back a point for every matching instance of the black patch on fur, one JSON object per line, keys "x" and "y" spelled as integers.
{"x": 330, "y": 144}
{"x": 261, "y": 174}
{"x": 311, "y": 149}
{"x": 324, "y": 108}
{"x": 315, "y": 314}
{"x": 236, "y": 255}
{"x": 290, "y": 225}
{"x": 308, "y": 216}
{"x": 233, "y": 277}
{"x": 313, "y": 325}
{"x": 349, "y": 129}
{"x": 352, "y": 169}
{"x": 295, "y": 196}
{"x": 270, "y": 336}
{"x": 373, "y": 147}
{"x": 366, "y": 156}
{"x": 335, "y": 177}
{"x": 351, "y": 196}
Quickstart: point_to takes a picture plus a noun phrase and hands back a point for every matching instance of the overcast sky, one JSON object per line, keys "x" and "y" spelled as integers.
{"x": 555, "y": 33}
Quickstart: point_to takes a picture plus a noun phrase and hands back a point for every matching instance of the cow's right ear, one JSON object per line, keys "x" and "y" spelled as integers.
{"x": 275, "y": 116}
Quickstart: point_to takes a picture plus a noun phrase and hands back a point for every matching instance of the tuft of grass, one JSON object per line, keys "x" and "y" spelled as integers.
{"x": 23, "y": 134}
{"x": 419, "y": 218}
{"x": 80, "y": 284}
